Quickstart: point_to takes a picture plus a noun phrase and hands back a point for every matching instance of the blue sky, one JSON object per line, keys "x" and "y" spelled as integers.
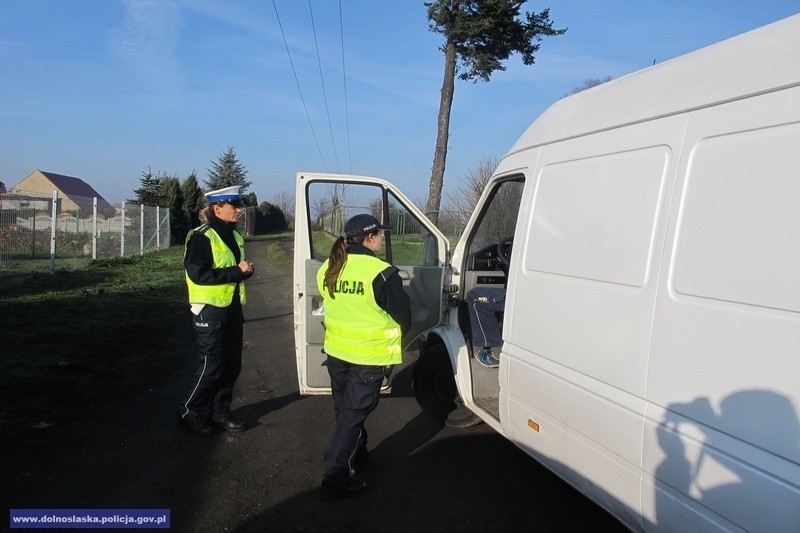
{"x": 105, "y": 89}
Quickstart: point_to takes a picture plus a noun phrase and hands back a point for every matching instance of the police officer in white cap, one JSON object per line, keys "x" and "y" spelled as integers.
{"x": 215, "y": 272}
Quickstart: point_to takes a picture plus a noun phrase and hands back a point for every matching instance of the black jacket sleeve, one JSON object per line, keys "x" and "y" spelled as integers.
{"x": 392, "y": 298}
{"x": 199, "y": 260}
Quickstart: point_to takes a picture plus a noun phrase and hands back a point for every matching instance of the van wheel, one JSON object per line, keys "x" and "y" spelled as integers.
{"x": 436, "y": 392}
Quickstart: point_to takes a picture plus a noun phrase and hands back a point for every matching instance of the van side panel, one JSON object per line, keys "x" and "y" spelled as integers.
{"x": 580, "y": 311}
{"x": 723, "y": 373}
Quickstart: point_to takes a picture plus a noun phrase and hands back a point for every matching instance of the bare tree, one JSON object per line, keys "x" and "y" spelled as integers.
{"x": 285, "y": 202}
{"x": 464, "y": 198}
{"x": 320, "y": 208}
{"x": 588, "y": 84}
{"x": 501, "y": 218}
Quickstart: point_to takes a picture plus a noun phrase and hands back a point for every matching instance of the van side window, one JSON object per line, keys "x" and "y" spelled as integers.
{"x": 411, "y": 243}
{"x": 497, "y": 223}
{"x": 332, "y": 204}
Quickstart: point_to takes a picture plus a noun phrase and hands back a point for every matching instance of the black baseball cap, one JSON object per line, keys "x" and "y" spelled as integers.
{"x": 363, "y": 224}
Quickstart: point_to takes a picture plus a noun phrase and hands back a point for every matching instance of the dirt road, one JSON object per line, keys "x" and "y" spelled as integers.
{"x": 130, "y": 453}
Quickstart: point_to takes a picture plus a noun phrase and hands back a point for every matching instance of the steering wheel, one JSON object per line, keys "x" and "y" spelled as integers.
{"x": 504, "y": 247}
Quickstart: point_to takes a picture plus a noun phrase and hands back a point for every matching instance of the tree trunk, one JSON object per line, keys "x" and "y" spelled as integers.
{"x": 440, "y": 156}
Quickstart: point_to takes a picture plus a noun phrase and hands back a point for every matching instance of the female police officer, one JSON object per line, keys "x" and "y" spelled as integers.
{"x": 366, "y": 313}
{"x": 215, "y": 269}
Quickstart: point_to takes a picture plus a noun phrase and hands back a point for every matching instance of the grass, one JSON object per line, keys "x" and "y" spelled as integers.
{"x": 71, "y": 336}
{"x": 322, "y": 242}
{"x": 103, "y": 327}
{"x": 277, "y": 257}
{"x": 404, "y": 251}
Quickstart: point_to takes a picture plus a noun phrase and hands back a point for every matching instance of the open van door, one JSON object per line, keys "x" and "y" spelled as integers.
{"x": 324, "y": 202}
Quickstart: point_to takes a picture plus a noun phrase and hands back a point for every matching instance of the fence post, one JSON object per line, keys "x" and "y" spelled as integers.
{"x": 33, "y": 236}
{"x": 122, "y": 233}
{"x": 141, "y": 229}
{"x": 53, "y": 233}
{"x": 94, "y": 228}
{"x": 158, "y": 227}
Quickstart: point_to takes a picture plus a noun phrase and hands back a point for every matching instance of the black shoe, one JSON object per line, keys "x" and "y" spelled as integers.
{"x": 228, "y": 422}
{"x": 343, "y": 489}
{"x": 196, "y": 425}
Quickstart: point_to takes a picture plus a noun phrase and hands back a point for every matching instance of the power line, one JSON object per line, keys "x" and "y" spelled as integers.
{"x": 322, "y": 80}
{"x": 297, "y": 81}
{"x": 344, "y": 82}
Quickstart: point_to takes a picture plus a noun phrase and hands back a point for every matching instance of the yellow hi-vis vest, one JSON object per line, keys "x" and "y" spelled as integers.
{"x": 357, "y": 330}
{"x": 219, "y": 295}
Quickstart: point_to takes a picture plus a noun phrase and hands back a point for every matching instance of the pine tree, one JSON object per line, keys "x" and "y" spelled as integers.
{"x": 269, "y": 218}
{"x": 479, "y": 35}
{"x": 250, "y": 199}
{"x": 148, "y": 193}
{"x": 193, "y": 200}
{"x": 169, "y": 191}
{"x": 172, "y": 199}
{"x": 226, "y": 172}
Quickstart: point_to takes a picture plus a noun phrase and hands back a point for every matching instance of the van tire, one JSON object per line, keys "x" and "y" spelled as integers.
{"x": 436, "y": 392}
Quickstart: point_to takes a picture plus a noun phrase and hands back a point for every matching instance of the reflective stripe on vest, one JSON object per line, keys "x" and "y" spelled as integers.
{"x": 220, "y": 295}
{"x": 357, "y": 330}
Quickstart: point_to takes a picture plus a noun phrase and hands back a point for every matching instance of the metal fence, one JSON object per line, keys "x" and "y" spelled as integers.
{"x": 247, "y": 222}
{"x": 43, "y": 233}
{"x": 451, "y": 223}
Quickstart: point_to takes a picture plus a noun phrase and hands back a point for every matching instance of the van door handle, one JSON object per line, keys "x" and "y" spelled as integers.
{"x": 404, "y": 275}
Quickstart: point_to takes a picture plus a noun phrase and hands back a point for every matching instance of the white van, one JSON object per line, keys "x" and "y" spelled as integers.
{"x": 651, "y": 334}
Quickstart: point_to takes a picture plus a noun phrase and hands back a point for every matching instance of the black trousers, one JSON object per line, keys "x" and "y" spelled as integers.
{"x": 219, "y": 345}
{"x": 356, "y": 391}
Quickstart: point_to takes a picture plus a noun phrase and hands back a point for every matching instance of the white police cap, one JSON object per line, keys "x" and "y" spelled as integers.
{"x": 228, "y": 194}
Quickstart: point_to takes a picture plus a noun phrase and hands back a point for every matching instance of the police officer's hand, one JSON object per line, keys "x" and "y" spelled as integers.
{"x": 247, "y": 268}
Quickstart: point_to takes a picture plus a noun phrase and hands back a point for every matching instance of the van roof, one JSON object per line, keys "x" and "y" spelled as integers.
{"x": 760, "y": 60}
